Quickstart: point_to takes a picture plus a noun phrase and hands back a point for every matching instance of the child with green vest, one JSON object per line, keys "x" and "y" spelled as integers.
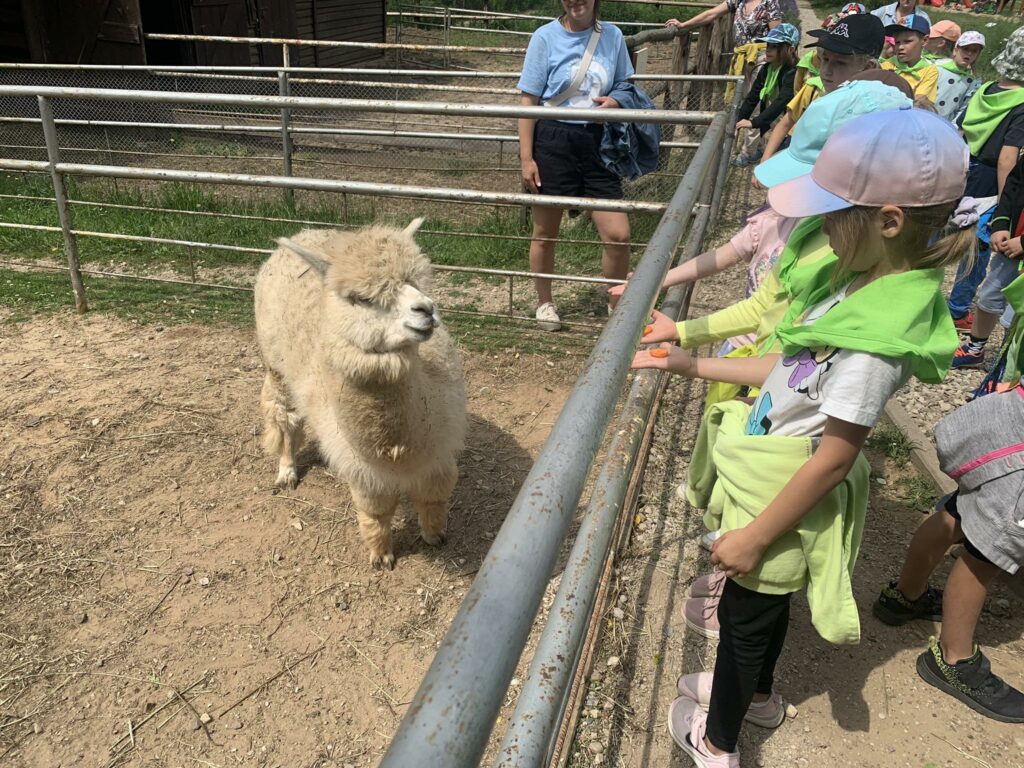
{"x": 786, "y": 477}
{"x": 770, "y": 92}
{"x": 994, "y": 129}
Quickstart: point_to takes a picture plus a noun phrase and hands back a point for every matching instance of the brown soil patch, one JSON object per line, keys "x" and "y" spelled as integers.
{"x": 143, "y": 553}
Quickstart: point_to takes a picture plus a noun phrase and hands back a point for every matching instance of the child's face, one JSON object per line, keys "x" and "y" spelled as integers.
{"x": 909, "y": 46}
{"x": 837, "y": 68}
{"x": 771, "y": 53}
{"x": 966, "y": 55}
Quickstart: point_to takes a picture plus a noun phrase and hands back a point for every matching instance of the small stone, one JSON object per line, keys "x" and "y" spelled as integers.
{"x": 596, "y": 747}
{"x": 196, "y": 725}
{"x": 95, "y": 422}
{"x": 205, "y": 581}
{"x": 613, "y": 661}
{"x": 189, "y": 571}
{"x": 205, "y": 718}
{"x": 881, "y": 481}
{"x": 622, "y": 599}
{"x": 514, "y": 682}
{"x": 296, "y": 524}
{"x": 791, "y": 711}
{"x": 235, "y": 725}
{"x": 37, "y": 728}
{"x": 341, "y": 605}
{"x": 618, "y": 613}
{"x": 82, "y": 618}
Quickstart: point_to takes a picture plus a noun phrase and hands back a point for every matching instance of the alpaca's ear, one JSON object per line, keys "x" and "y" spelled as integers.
{"x": 414, "y": 225}
{"x": 316, "y": 259}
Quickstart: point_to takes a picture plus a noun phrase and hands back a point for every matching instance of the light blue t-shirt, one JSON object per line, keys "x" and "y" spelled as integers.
{"x": 554, "y": 55}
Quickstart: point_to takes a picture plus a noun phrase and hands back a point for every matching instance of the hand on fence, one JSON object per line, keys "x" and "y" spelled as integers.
{"x": 615, "y": 291}
{"x": 662, "y": 328}
{"x": 666, "y": 357}
{"x": 737, "y": 553}
{"x": 531, "y": 176}
{"x": 673, "y": 23}
{"x": 605, "y": 102}
{"x": 740, "y": 124}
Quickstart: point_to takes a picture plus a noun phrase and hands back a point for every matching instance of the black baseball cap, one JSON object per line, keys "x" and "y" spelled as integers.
{"x": 861, "y": 33}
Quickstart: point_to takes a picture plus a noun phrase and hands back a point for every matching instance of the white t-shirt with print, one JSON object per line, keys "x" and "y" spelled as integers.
{"x": 804, "y": 390}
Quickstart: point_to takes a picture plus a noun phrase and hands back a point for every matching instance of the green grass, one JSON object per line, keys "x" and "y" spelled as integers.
{"x": 893, "y": 443}
{"x": 918, "y": 493}
{"x": 258, "y": 232}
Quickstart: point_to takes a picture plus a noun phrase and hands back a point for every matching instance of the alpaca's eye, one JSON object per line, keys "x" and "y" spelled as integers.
{"x": 360, "y": 300}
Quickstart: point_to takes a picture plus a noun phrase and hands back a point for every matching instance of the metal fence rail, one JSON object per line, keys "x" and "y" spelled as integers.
{"x": 451, "y": 716}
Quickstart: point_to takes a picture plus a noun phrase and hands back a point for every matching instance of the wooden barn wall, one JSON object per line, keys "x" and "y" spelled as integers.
{"x": 357, "y": 20}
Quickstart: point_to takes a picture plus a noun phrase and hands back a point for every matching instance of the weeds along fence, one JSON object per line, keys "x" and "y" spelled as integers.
{"x": 363, "y": 128}
{"x": 451, "y": 718}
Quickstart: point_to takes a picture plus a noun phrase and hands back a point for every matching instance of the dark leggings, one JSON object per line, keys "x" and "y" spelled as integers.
{"x": 753, "y": 630}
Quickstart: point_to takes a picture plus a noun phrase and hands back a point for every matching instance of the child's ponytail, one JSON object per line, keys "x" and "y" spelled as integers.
{"x": 947, "y": 242}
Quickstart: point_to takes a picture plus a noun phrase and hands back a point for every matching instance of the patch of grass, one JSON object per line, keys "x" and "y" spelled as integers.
{"x": 29, "y": 294}
{"x": 260, "y": 231}
{"x": 918, "y": 493}
{"x": 893, "y": 443}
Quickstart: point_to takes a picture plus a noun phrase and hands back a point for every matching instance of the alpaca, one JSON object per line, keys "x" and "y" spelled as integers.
{"x": 358, "y": 361}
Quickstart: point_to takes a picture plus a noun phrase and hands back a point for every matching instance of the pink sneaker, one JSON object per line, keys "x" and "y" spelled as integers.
{"x": 764, "y": 714}
{"x": 708, "y": 585}
{"x": 701, "y": 615}
{"x": 687, "y": 723}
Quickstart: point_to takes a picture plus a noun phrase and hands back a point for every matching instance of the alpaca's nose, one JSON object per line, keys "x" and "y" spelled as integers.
{"x": 424, "y": 307}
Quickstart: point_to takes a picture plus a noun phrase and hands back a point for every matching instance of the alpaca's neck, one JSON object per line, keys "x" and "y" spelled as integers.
{"x": 384, "y": 370}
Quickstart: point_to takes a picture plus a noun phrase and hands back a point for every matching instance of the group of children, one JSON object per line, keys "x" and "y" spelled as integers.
{"x": 873, "y": 192}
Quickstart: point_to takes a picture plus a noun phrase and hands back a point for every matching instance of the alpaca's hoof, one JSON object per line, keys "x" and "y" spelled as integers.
{"x": 287, "y": 478}
{"x": 434, "y": 539}
{"x": 385, "y": 562}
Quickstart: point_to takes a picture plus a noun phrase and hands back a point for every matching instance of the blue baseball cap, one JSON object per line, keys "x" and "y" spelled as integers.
{"x": 821, "y": 119}
{"x": 784, "y": 34}
{"x": 916, "y": 22}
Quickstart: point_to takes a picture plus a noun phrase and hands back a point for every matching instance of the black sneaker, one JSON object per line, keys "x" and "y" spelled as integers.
{"x": 972, "y": 681}
{"x": 896, "y": 610}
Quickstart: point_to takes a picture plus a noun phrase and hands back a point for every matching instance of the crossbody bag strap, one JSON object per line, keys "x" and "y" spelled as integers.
{"x": 581, "y": 73}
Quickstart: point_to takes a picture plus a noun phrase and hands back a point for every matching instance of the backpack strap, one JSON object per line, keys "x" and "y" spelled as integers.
{"x": 581, "y": 72}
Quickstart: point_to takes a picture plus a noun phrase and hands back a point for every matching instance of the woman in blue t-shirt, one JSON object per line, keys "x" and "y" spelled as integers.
{"x": 561, "y": 157}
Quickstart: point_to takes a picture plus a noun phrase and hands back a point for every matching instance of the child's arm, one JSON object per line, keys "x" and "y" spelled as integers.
{"x": 746, "y": 371}
{"x": 738, "y": 552}
{"x": 778, "y": 135}
{"x": 1007, "y": 160}
{"x": 707, "y": 264}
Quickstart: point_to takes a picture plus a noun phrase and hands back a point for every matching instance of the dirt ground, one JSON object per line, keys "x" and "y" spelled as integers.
{"x": 858, "y": 706}
{"x": 150, "y": 577}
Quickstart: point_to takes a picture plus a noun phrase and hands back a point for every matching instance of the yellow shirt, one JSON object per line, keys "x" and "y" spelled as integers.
{"x": 807, "y": 94}
{"x": 923, "y": 77}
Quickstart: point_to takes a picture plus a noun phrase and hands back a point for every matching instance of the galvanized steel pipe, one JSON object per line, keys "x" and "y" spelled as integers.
{"x": 675, "y": 117}
{"x": 452, "y": 714}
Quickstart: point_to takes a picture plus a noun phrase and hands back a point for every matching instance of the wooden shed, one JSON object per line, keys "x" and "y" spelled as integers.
{"x": 112, "y": 31}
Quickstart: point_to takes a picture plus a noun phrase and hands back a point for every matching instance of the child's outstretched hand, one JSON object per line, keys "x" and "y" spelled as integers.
{"x": 737, "y": 553}
{"x": 615, "y": 291}
{"x": 661, "y": 329}
{"x": 666, "y": 357}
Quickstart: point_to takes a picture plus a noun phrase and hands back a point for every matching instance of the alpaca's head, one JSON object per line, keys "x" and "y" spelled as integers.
{"x": 379, "y": 284}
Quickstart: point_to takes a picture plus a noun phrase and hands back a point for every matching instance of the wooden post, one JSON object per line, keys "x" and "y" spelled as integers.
{"x": 63, "y": 211}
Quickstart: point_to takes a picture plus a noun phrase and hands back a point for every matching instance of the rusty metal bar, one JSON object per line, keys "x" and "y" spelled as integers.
{"x": 675, "y": 117}
{"x": 451, "y": 716}
{"x": 63, "y": 212}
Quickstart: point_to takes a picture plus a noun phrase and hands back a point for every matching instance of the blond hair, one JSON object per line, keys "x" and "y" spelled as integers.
{"x": 926, "y": 240}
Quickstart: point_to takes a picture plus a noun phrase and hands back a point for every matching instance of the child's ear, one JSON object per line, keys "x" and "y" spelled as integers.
{"x": 891, "y": 219}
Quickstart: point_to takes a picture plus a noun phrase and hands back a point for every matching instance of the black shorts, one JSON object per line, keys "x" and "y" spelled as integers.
{"x": 948, "y": 503}
{"x": 569, "y": 160}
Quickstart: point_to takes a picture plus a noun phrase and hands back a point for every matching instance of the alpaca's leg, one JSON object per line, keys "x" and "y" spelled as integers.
{"x": 374, "y": 514}
{"x": 282, "y": 429}
{"x": 431, "y": 505}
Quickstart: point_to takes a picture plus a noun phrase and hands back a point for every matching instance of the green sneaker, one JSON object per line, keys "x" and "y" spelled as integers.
{"x": 893, "y": 608}
{"x": 972, "y": 681}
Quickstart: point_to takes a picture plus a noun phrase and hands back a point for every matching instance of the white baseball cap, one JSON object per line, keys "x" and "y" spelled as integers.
{"x": 970, "y": 38}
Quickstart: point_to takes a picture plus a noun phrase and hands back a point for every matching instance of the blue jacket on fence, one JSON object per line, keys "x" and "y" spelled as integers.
{"x": 630, "y": 150}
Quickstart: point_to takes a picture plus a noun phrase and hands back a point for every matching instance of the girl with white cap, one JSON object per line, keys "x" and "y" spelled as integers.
{"x": 785, "y": 477}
